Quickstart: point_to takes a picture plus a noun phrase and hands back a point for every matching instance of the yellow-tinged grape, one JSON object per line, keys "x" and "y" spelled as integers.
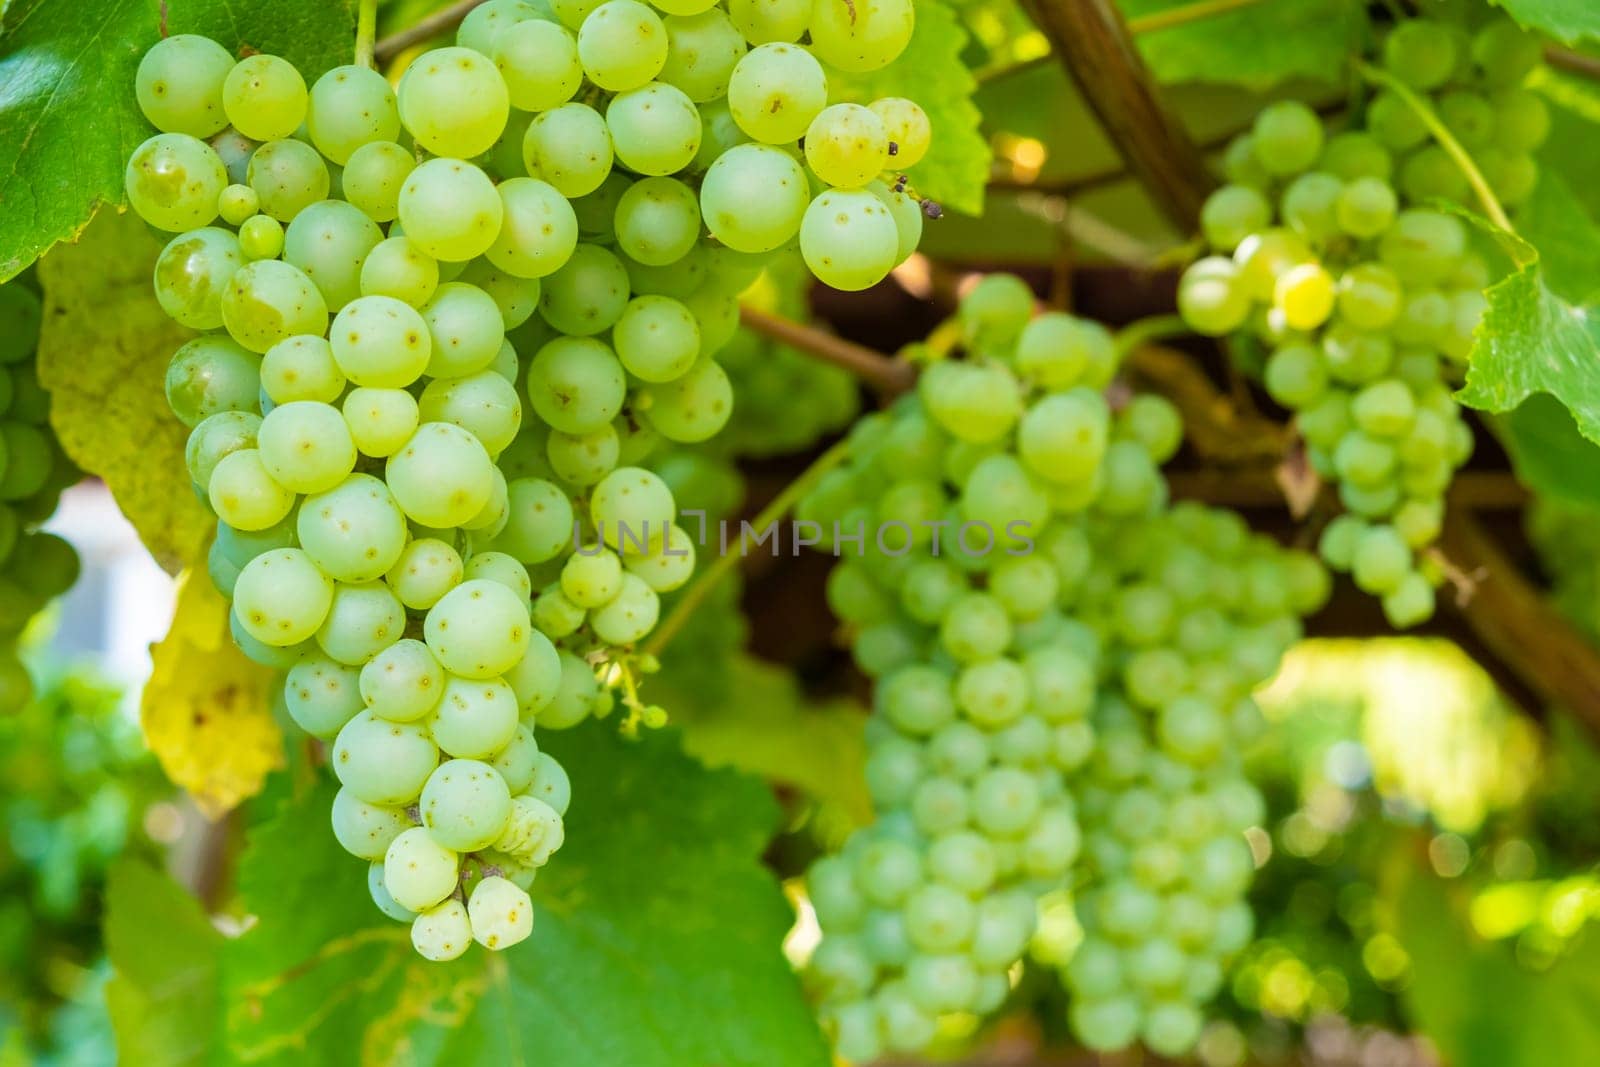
{"x": 261, "y": 237}
{"x": 454, "y": 102}
{"x": 539, "y": 62}
{"x": 847, "y": 145}
{"x": 179, "y": 84}
{"x": 381, "y": 421}
{"x": 849, "y": 239}
{"x": 622, "y": 45}
{"x": 1305, "y": 294}
{"x": 244, "y": 495}
{"x": 442, "y": 477}
{"x": 269, "y": 300}
{"x": 775, "y": 92}
{"x": 380, "y": 342}
{"x": 193, "y": 271}
{"x": 769, "y": 21}
{"x": 907, "y": 213}
{"x": 450, "y": 209}
{"x": 289, "y": 177}
{"x": 908, "y": 128}
{"x": 350, "y": 107}
{"x": 265, "y": 97}
{"x": 374, "y": 176}
{"x": 861, "y": 35}
{"x": 174, "y": 181}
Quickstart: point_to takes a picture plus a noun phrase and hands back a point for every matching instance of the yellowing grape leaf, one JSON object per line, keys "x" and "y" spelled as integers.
{"x": 932, "y": 72}
{"x": 103, "y": 355}
{"x": 207, "y": 710}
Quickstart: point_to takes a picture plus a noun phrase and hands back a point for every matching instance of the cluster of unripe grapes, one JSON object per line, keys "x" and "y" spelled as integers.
{"x": 1367, "y": 299}
{"x": 1021, "y": 594}
{"x": 35, "y": 566}
{"x": 436, "y": 573}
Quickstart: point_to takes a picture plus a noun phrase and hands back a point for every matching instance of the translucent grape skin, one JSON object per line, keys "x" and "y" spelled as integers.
{"x": 179, "y": 85}
{"x": 849, "y": 239}
{"x": 754, "y": 198}
{"x": 454, "y": 102}
{"x": 173, "y": 181}
{"x": 775, "y": 92}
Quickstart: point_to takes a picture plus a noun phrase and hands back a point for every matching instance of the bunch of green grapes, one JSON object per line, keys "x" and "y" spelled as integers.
{"x": 1194, "y": 613}
{"x": 1365, "y": 303}
{"x": 35, "y": 566}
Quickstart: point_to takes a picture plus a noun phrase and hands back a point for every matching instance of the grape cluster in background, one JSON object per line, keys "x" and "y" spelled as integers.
{"x": 1333, "y": 254}
{"x": 560, "y": 210}
{"x": 1058, "y": 704}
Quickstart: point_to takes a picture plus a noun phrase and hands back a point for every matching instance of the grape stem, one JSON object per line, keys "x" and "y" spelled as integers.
{"x": 366, "y": 32}
{"x": 707, "y": 580}
{"x": 439, "y": 22}
{"x": 1447, "y": 141}
{"x": 1141, "y": 332}
{"x": 886, "y": 374}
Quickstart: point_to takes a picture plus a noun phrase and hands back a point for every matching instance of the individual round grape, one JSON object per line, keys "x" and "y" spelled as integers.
{"x": 1233, "y": 213}
{"x": 419, "y": 871}
{"x": 754, "y": 198}
{"x": 211, "y": 375}
{"x": 632, "y": 508}
{"x": 363, "y": 620}
{"x": 570, "y": 148}
{"x": 216, "y": 437}
{"x": 669, "y": 565}
{"x": 465, "y": 330}
{"x": 398, "y": 268}
{"x": 443, "y": 476}
{"x": 702, "y": 49}
{"x": 173, "y": 181}
{"x": 1421, "y": 53}
{"x": 288, "y": 177}
{"x": 1381, "y": 560}
{"x": 380, "y": 342}
{"x": 351, "y": 106}
{"x": 366, "y": 830}
{"x": 766, "y": 21}
{"x": 1062, "y": 437}
{"x": 539, "y": 230}
{"x": 540, "y": 523}
{"x": 587, "y": 295}
{"x": 1287, "y": 137}
{"x": 354, "y": 531}
{"x": 301, "y": 368}
{"x": 244, "y": 495}
{"x": 484, "y": 404}
{"x": 847, "y": 145}
{"x": 657, "y": 221}
{"x": 373, "y": 177}
{"x": 192, "y": 273}
{"x": 454, "y": 102}
{"x": 441, "y": 933}
{"x": 426, "y": 570}
{"x": 403, "y": 682}
{"x": 450, "y": 209}
{"x": 321, "y": 696}
{"x": 306, "y": 446}
{"x": 1295, "y": 376}
{"x": 1305, "y": 294}
{"x": 1212, "y": 298}
{"x": 269, "y": 301}
{"x": 261, "y": 237}
{"x": 478, "y": 630}
{"x": 281, "y": 597}
{"x": 501, "y": 914}
{"x": 474, "y": 719}
{"x": 179, "y": 84}
{"x": 907, "y": 214}
{"x": 655, "y": 129}
{"x": 381, "y": 421}
{"x": 576, "y": 384}
{"x": 622, "y": 45}
{"x": 849, "y": 239}
{"x": 539, "y": 62}
{"x": 330, "y": 241}
{"x": 264, "y": 97}
{"x": 775, "y": 91}
{"x": 465, "y": 805}
{"x": 591, "y": 579}
{"x": 237, "y": 203}
{"x": 908, "y": 129}
{"x": 1423, "y": 246}
{"x": 656, "y": 338}
{"x": 693, "y": 407}
{"x": 629, "y": 616}
{"x": 861, "y": 35}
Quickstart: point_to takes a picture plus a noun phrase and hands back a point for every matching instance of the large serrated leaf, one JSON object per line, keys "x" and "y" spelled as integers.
{"x": 656, "y": 939}
{"x": 1256, "y": 46}
{"x": 932, "y": 72}
{"x": 1567, "y": 20}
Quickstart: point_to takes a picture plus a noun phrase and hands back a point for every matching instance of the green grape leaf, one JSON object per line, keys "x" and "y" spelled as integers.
{"x": 68, "y": 118}
{"x": 656, "y": 937}
{"x": 1558, "y": 224}
{"x": 932, "y": 72}
{"x": 1481, "y": 1007}
{"x": 1256, "y": 46}
{"x": 1568, "y": 21}
{"x": 1548, "y": 453}
{"x": 103, "y": 356}
{"x": 163, "y": 996}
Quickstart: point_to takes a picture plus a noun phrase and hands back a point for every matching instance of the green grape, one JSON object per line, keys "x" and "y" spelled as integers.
{"x": 629, "y": 616}
{"x": 539, "y": 230}
{"x": 380, "y": 342}
{"x": 354, "y": 532}
{"x": 179, "y": 84}
{"x": 1468, "y": 116}
{"x": 592, "y": 580}
{"x": 363, "y": 620}
{"x": 702, "y": 49}
{"x": 244, "y": 494}
{"x": 397, "y": 268}
{"x": 597, "y": 211}
{"x": 264, "y": 97}
{"x": 465, "y": 328}
{"x": 1394, "y": 122}
{"x": 1430, "y": 174}
{"x": 351, "y": 106}
{"x": 485, "y": 404}
{"x": 235, "y": 150}
{"x": 847, "y": 145}
{"x": 657, "y": 339}
{"x": 501, "y": 568}
{"x": 540, "y": 525}
{"x": 1521, "y": 120}
{"x": 1233, "y": 213}
{"x": 465, "y": 805}
{"x": 191, "y": 273}
{"x": 426, "y": 570}
{"x": 655, "y": 129}
{"x": 454, "y": 102}
{"x": 1423, "y": 247}
{"x": 768, "y": 21}
{"x": 442, "y": 477}
{"x": 381, "y": 421}
{"x": 261, "y": 237}
{"x": 775, "y": 91}
{"x": 976, "y": 403}
{"x": 381, "y": 898}
{"x": 692, "y": 407}
{"x": 366, "y": 830}
{"x": 518, "y": 762}
{"x": 281, "y": 597}
{"x": 910, "y": 133}
{"x": 669, "y": 565}
{"x": 515, "y": 299}
{"x": 305, "y": 446}
{"x": 329, "y": 242}
{"x": 716, "y": 314}
{"x": 1409, "y": 603}
{"x": 442, "y": 932}
{"x": 718, "y": 133}
{"x": 622, "y": 45}
{"x": 631, "y": 509}
{"x": 849, "y": 239}
{"x": 216, "y": 437}
{"x": 1059, "y": 351}
{"x": 862, "y": 35}
{"x": 418, "y": 871}
{"x": 301, "y": 368}
{"x": 373, "y": 177}
{"x": 1262, "y": 257}
{"x": 474, "y": 719}
{"x": 1381, "y": 560}
{"x": 559, "y": 617}
{"x": 1062, "y": 437}
{"x": 657, "y": 221}
{"x": 1384, "y": 409}
{"x": 1355, "y": 154}
{"x": 754, "y": 198}
{"x": 907, "y": 214}
{"x": 478, "y": 630}
{"x": 585, "y": 296}
{"x": 211, "y": 375}
{"x": 501, "y": 914}
{"x": 539, "y": 62}
{"x": 485, "y": 23}
{"x": 1421, "y": 53}
{"x": 1505, "y": 53}
{"x": 288, "y": 177}
{"x": 450, "y": 209}
{"x": 569, "y": 147}
{"x": 1212, "y": 296}
{"x": 1295, "y": 376}
{"x": 173, "y": 182}
{"x": 321, "y": 696}
{"x": 1287, "y": 137}
{"x": 402, "y": 683}
{"x": 1310, "y": 206}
